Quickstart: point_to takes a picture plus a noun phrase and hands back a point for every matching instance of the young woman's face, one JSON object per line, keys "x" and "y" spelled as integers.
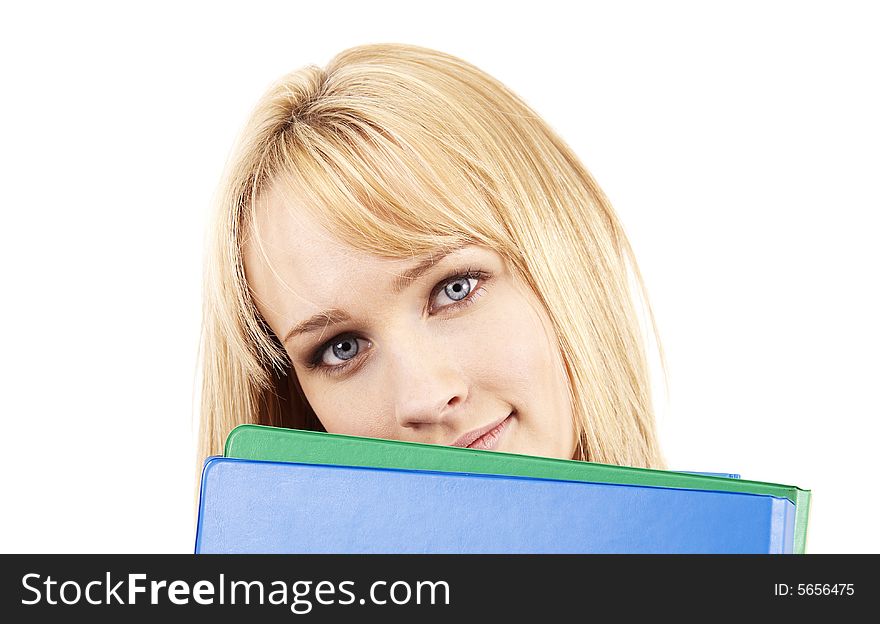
{"x": 448, "y": 350}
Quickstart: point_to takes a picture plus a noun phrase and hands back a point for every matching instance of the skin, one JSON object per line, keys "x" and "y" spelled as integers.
{"x": 448, "y": 354}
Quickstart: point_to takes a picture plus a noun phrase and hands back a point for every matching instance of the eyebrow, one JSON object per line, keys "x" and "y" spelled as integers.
{"x": 335, "y": 316}
{"x": 321, "y": 320}
{"x": 407, "y": 277}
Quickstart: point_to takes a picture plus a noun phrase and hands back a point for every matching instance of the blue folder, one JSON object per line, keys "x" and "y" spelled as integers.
{"x": 251, "y": 506}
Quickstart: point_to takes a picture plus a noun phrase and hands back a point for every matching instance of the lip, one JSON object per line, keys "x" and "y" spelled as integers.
{"x": 472, "y": 437}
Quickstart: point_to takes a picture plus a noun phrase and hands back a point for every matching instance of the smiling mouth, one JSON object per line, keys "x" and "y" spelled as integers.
{"x": 488, "y": 440}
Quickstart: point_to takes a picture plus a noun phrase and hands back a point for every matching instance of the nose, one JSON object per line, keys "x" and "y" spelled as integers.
{"x": 427, "y": 384}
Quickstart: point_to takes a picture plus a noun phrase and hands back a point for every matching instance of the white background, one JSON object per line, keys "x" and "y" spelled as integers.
{"x": 738, "y": 142}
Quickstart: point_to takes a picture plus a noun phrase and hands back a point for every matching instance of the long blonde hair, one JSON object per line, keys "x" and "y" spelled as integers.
{"x": 402, "y": 151}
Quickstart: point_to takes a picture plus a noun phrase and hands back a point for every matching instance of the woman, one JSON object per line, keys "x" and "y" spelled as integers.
{"x": 403, "y": 249}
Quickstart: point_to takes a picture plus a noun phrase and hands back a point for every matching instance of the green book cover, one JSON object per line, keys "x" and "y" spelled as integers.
{"x": 311, "y": 447}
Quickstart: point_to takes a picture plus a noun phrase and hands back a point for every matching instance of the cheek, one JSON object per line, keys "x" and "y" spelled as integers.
{"x": 351, "y": 407}
{"x": 516, "y": 357}
{"x": 529, "y": 373}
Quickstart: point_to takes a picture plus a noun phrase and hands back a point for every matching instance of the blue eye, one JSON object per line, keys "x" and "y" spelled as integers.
{"x": 454, "y": 291}
{"x": 458, "y": 289}
{"x": 342, "y": 349}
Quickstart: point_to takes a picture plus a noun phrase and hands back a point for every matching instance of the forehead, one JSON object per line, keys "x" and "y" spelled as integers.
{"x": 294, "y": 265}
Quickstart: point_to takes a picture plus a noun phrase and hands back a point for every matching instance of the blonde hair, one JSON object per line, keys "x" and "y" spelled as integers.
{"x": 403, "y": 151}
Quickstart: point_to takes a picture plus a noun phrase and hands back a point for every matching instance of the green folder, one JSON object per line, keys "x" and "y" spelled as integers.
{"x": 310, "y": 447}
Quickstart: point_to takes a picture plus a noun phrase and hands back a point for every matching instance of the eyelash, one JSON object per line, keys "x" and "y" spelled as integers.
{"x": 482, "y": 277}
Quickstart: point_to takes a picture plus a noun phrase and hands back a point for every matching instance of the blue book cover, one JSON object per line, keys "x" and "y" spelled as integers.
{"x": 251, "y": 506}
